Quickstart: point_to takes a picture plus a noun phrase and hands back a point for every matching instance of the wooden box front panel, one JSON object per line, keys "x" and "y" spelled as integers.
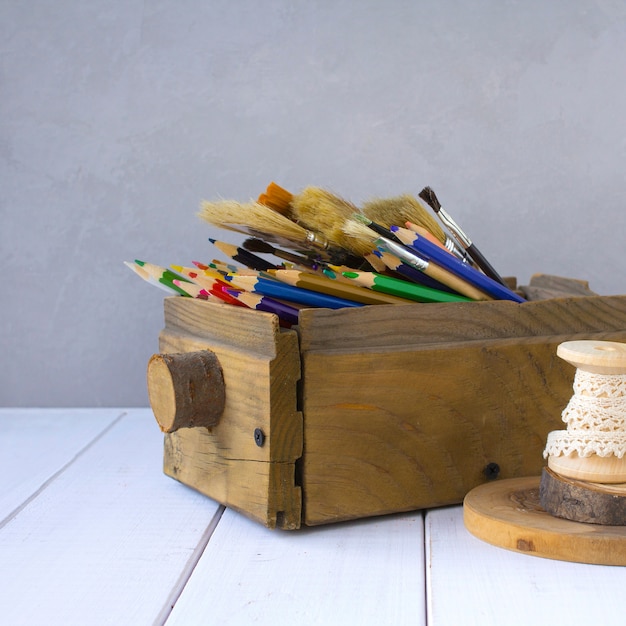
{"x": 403, "y": 414}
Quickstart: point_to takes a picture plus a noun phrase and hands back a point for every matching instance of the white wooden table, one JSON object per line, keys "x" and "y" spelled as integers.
{"x": 92, "y": 532}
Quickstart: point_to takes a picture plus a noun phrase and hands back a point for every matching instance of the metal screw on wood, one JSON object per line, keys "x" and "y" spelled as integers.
{"x": 259, "y": 437}
{"x": 491, "y": 471}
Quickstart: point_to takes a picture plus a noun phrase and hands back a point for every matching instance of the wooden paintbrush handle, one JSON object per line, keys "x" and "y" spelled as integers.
{"x": 186, "y": 390}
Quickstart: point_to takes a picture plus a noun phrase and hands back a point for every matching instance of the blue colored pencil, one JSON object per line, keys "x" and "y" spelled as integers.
{"x": 442, "y": 258}
{"x": 276, "y": 289}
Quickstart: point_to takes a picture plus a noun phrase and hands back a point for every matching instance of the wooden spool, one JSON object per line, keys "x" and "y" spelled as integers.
{"x": 561, "y": 516}
{"x": 186, "y": 390}
{"x": 595, "y": 357}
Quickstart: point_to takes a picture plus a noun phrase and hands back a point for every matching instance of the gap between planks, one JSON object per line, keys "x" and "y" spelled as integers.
{"x": 15, "y": 512}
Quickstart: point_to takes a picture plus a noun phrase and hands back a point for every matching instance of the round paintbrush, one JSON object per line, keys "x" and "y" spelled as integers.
{"x": 258, "y": 245}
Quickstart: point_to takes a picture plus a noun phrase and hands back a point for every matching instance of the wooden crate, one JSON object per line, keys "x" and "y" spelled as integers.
{"x": 379, "y": 409}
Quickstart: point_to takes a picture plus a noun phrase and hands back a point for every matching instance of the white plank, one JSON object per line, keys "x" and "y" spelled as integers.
{"x": 364, "y": 572}
{"x": 35, "y": 444}
{"x": 110, "y": 540}
{"x": 472, "y": 582}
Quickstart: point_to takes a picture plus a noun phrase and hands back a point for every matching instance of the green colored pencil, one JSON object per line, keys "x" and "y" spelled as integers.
{"x": 403, "y": 288}
{"x": 325, "y": 284}
{"x": 162, "y": 275}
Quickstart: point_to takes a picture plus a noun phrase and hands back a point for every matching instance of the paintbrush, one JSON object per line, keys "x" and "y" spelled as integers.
{"x": 258, "y": 220}
{"x": 398, "y": 210}
{"x": 263, "y": 247}
{"x": 325, "y": 212}
{"x": 320, "y": 211}
{"x": 428, "y": 195}
{"x": 277, "y": 198}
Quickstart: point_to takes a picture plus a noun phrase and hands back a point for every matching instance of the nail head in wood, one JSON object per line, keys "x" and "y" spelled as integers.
{"x": 186, "y": 390}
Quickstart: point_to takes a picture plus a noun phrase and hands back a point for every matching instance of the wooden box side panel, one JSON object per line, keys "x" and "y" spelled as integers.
{"x": 261, "y": 376}
{"x": 261, "y": 392}
{"x": 388, "y": 431}
{"x": 265, "y": 492}
{"x": 219, "y": 323}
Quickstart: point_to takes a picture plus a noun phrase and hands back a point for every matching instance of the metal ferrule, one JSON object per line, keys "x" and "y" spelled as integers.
{"x": 401, "y": 252}
{"x": 454, "y": 228}
{"x": 453, "y": 247}
{"x": 316, "y": 240}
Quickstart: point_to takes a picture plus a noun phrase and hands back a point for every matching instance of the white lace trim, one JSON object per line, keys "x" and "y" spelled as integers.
{"x": 563, "y": 442}
{"x": 595, "y": 418}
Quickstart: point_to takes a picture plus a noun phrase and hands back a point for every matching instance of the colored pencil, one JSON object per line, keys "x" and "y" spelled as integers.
{"x": 204, "y": 278}
{"x": 428, "y": 195}
{"x": 463, "y": 270}
{"x": 403, "y": 288}
{"x": 161, "y": 275}
{"x": 276, "y": 289}
{"x": 420, "y": 230}
{"x": 440, "y": 274}
{"x": 223, "y": 292}
{"x": 171, "y": 290}
{"x": 326, "y": 285}
{"x": 396, "y": 265}
{"x": 242, "y": 256}
{"x": 216, "y": 265}
{"x": 257, "y": 301}
{"x": 362, "y": 229}
{"x": 192, "y": 289}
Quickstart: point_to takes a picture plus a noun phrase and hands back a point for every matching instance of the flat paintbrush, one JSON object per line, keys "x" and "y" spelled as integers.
{"x": 258, "y": 220}
{"x": 277, "y": 198}
{"x": 428, "y": 195}
{"x": 325, "y": 212}
{"x": 398, "y": 210}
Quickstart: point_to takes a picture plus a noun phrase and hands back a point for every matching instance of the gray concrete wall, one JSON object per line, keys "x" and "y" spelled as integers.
{"x": 118, "y": 117}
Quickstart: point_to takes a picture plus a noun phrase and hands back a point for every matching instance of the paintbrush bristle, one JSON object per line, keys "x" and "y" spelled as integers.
{"x": 428, "y": 196}
{"x": 254, "y": 219}
{"x": 323, "y": 211}
{"x": 258, "y": 245}
{"x": 398, "y": 210}
{"x": 360, "y": 236}
{"x": 277, "y": 198}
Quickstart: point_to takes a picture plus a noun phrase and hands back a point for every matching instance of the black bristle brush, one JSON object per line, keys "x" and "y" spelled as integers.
{"x": 429, "y": 196}
{"x": 263, "y": 247}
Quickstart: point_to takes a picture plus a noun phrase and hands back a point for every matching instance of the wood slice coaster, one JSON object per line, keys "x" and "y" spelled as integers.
{"x": 508, "y": 514}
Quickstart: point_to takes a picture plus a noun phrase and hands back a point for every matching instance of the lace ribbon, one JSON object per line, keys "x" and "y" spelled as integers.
{"x": 595, "y": 418}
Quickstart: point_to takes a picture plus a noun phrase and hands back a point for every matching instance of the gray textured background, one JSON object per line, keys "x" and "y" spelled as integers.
{"x": 118, "y": 117}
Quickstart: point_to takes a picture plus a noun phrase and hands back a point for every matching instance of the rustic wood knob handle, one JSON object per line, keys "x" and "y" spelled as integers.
{"x": 186, "y": 389}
